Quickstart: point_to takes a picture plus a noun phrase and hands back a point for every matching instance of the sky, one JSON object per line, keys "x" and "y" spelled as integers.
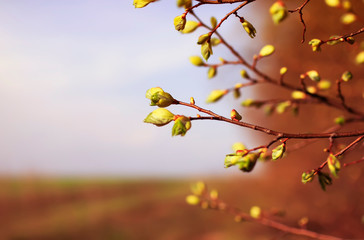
{"x": 73, "y": 78}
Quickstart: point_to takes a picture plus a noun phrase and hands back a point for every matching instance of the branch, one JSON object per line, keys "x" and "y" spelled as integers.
{"x": 299, "y": 9}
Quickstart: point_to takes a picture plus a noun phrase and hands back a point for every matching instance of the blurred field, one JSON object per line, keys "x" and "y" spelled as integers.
{"x": 35, "y": 208}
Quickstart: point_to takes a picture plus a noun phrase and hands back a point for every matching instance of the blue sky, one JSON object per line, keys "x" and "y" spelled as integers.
{"x": 72, "y": 81}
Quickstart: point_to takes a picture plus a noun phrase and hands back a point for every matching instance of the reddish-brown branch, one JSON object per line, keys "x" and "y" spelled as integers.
{"x": 299, "y": 9}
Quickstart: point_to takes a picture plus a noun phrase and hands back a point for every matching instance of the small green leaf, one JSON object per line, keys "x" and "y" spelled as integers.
{"x": 142, "y": 3}
{"x": 206, "y": 50}
{"x": 197, "y": 61}
{"x": 211, "y": 72}
{"x": 159, "y": 117}
{"x": 324, "y": 179}
{"x": 216, "y": 95}
{"x": 278, "y": 151}
{"x": 180, "y": 22}
{"x": 213, "y": 22}
{"x": 190, "y": 27}
{"x": 308, "y": 176}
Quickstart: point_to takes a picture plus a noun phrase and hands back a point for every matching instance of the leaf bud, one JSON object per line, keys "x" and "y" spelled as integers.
{"x": 203, "y": 38}
{"x": 206, "y": 50}
{"x": 235, "y": 115}
{"x": 190, "y": 27}
{"x": 266, "y": 51}
{"x": 298, "y": 95}
{"x": 333, "y": 164}
{"x": 215, "y": 41}
{"x": 159, "y": 98}
{"x": 213, "y": 22}
{"x": 181, "y": 125}
{"x": 244, "y": 74}
{"x": 180, "y": 22}
{"x": 184, "y": 3}
{"x": 339, "y": 120}
{"x": 142, "y": 3}
{"x": 315, "y": 44}
{"x": 308, "y": 176}
{"x": 197, "y": 61}
{"x": 192, "y": 101}
{"x": 324, "y": 85}
{"x": 192, "y": 200}
{"x": 159, "y": 117}
{"x": 238, "y": 146}
{"x": 198, "y": 188}
{"x": 278, "y": 151}
{"x": 313, "y": 75}
{"x": 348, "y": 18}
{"x": 333, "y": 3}
{"x": 346, "y": 76}
{"x": 255, "y": 212}
{"x": 359, "y": 59}
{"x": 216, "y": 95}
{"x": 282, "y": 106}
{"x": 313, "y": 89}
{"x": 283, "y": 70}
{"x": 211, "y": 72}
{"x": 278, "y": 11}
{"x": 247, "y": 163}
{"x": 214, "y": 194}
{"x": 324, "y": 179}
{"x": 249, "y": 28}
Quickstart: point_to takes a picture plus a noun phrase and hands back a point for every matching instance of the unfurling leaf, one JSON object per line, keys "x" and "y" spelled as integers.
{"x": 159, "y": 98}
{"x": 308, "y": 176}
{"x": 190, "y": 27}
{"x": 247, "y": 163}
{"x": 235, "y": 115}
{"x": 278, "y": 11}
{"x": 206, "y": 50}
{"x": 314, "y": 75}
{"x": 278, "y": 151}
{"x": 315, "y": 44}
{"x": 197, "y": 61}
{"x": 347, "y": 76}
{"x": 181, "y": 125}
{"x": 333, "y": 164}
{"x": 266, "y": 50}
{"x": 179, "y": 22}
{"x": 249, "y": 28}
{"x": 159, "y": 117}
{"x": 142, "y": 3}
{"x": 211, "y": 72}
{"x": 216, "y": 95}
{"x": 324, "y": 179}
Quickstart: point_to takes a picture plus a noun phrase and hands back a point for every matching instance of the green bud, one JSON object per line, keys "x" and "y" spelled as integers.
{"x": 203, "y": 38}
{"x": 216, "y": 95}
{"x": 213, "y": 22}
{"x": 359, "y": 59}
{"x": 347, "y": 76}
{"x": 308, "y": 176}
{"x": 283, "y": 70}
{"x": 278, "y": 12}
{"x": 184, "y": 3}
{"x": 339, "y": 121}
{"x": 255, "y": 212}
{"x": 235, "y": 115}
{"x": 315, "y": 44}
{"x": 324, "y": 179}
{"x": 190, "y": 27}
{"x": 266, "y": 50}
{"x": 206, "y": 50}
{"x": 244, "y": 74}
{"x": 298, "y": 95}
{"x": 142, "y": 3}
{"x": 313, "y": 75}
{"x": 192, "y": 200}
{"x": 181, "y": 125}
{"x": 211, "y": 72}
{"x": 159, "y": 117}
{"x": 159, "y": 98}
{"x": 278, "y": 151}
{"x": 197, "y": 61}
{"x": 179, "y": 22}
{"x": 282, "y": 106}
{"x": 198, "y": 188}
{"x": 348, "y": 18}
{"x": 324, "y": 85}
{"x": 249, "y": 28}
{"x": 333, "y": 164}
{"x": 247, "y": 163}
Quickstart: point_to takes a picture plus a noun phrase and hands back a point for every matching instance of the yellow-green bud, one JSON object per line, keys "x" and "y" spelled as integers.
{"x": 359, "y": 59}
{"x": 192, "y": 200}
{"x": 278, "y": 12}
{"x": 190, "y": 27}
{"x": 211, "y": 72}
{"x": 255, "y": 212}
{"x": 203, "y": 38}
{"x": 159, "y": 117}
{"x": 315, "y": 44}
{"x": 333, "y": 3}
{"x": 308, "y": 176}
{"x": 244, "y": 74}
{"x": 324, "y": 85}
{"x": 198, "y": 188}
{"x": 333, "y": 164}
{"x": 179, "y": 22}
{"x": 249, "y": 28}
{"x": 206, "y": 50}
{"x": 278, "y": 151}
{"x": 181, "y": 125}
{"x": 313, "y": 75}
{"x": 238, "y": 146}
{"x": 197, "y": 61}
{"x": 346, "y": 76}
{"x": 142, "y": 3}
{"x": 348, "y": 18}
{"x": 235, "y": 115}
{"x": 266, "y": 50}
{"x": 213, "y": 22}
{"x": 216, "y": 95}
{"x": 298, "y": 95}
{"x": 283, "y": 70}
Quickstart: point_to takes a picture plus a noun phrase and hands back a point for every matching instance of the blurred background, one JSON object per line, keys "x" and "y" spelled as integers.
{"x": 77, "y": 161}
